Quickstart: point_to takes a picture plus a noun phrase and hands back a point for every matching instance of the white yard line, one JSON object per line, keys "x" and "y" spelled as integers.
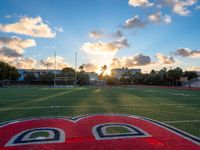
{"x": 85, "y": 106}
{"x": 181, "y": 121}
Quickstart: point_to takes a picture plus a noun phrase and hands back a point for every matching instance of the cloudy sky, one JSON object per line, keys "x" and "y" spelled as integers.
{"x": 146, "y": 34}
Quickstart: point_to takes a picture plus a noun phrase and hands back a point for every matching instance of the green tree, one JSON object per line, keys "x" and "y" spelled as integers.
{"x": 47, "y": 77}
{"x": 174, "y": 75}
{"x": 7, "y": 72}
{"x": 68, "y": 72}
{"x": 191, "y": 75}
{"x": 29, "y": 77}
{"x": 83, "y": 78}
{"x": 81, "y": 68}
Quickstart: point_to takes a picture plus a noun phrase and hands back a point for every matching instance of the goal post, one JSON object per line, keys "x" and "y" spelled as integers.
{"x": 64, "y": 81}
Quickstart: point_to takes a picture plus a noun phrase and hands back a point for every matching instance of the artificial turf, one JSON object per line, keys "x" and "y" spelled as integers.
{"x": 165, "y": 105}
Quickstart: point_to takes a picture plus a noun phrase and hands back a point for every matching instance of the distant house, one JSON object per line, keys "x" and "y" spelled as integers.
{"x": 37, "y": 72}
{"x": 93, "y": 76}
{"x": 94, "y": 79}
{"x": 118, "y": 72}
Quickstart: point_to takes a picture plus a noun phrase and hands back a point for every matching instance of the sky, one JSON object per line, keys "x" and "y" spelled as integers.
{"x": 145, "y": 34}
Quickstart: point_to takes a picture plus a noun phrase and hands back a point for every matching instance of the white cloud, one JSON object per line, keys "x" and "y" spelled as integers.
{"x": 97, "y": 34}
{"x": 158, "y": 18}
{"x": 197, "y": 7}
{"x": 181, "y": 6}
{"x": 104, "y": 47}
{"x": 17, "y": 43}
{"x": 19, "y": 62}
{"x": 165, "y": 59}
{"x": 12, "y": 49}
{"x": 141, "y": 3}
{"x": 134, "y": 22}
{"x": 186, "y": 52}
{"x": 24, "y": 63}
{"x": 59, "y": 29}
{"x": 7, "y": 52}
{"x": 50, "y": 62}
{"x": 193, "y": 68}
{"x": 117, "y": 34}
{"x": 144, "y": 62}
{"x": 89, "y": 67}
{"x": 34, "y": 27}
{"x": 99, "y": 48}
{"x": 130, "y": 62}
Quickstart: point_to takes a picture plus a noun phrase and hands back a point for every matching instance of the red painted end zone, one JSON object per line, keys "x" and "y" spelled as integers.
{"x": 90, "y": 132}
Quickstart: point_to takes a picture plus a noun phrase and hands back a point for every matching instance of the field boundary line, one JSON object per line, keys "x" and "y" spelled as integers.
{"x": 181, "y": 121}
{"x": 85, "y": 106}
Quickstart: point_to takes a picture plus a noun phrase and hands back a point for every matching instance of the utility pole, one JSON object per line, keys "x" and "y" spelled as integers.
{"x": 54, "y": 83}
{"x": 75, "y": 68}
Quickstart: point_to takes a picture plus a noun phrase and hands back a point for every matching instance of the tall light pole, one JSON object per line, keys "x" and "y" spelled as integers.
{"x": 75, "y": 68}
{"x": 54, "y": 83}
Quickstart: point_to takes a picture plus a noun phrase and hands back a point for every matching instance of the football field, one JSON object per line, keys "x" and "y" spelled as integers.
{"x": 178, "y": 108}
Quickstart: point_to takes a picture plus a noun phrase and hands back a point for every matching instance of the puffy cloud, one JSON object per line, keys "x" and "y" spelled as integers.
{"x": 12, "y": 49}
{"x": 133, "y": 61}
{"x": 158, "y": 18}
{"x": 143, "y": 61}
{"x": 134, "y": 22}
{"x": 186, "y": 52}
{"x": 181, "y": 6}
{"x": 193, "y": 68}
{"x": 165, "y": 59}
{"x": 50, "y": 63}
{"x": 116, "y": 63}
{"x": 197, "y": 7}
{"x": 24, "y": 63}
{"x": 99, "y": 48}
{"x": 59, "y": 29}
{"x": 16, "y": 43}
{"x": 117, "y": 34}
{"x": 7, "y": 52}
{"x": 96, "y": 34}
{"x": 105, "y": 47}
{"x": 142, "y": 3}
{"x": 29, "y": 26}
{"x": 18, "y": 62}
{"x": 90, "y": 67}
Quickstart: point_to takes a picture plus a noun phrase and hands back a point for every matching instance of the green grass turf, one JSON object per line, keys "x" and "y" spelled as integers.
{"x": 155, "y": 103}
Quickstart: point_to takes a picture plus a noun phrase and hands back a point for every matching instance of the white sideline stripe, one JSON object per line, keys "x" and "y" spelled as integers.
{"x": 181, "y": 121}
{"x": 85, "y": 106}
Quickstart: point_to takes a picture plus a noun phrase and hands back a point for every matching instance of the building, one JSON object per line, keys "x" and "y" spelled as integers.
{"x": 36, "y": 72}
{"x": 93, "y": 76}
{"x": 118, "y": 72}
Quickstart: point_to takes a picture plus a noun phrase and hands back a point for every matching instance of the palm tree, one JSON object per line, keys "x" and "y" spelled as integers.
{"x": 103, "y": 70}
{"x": 81, "y": 68}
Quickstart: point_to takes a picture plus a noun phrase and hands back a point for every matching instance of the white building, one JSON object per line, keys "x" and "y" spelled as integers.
{"x": 93, "y": 76}
{"x": 118, "y": 72}
{"x": 36, "y": 72}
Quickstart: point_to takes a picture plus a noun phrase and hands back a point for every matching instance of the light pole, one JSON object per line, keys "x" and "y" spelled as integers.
{"x": 54, "y": 82}
{"x": 75, "y": 68}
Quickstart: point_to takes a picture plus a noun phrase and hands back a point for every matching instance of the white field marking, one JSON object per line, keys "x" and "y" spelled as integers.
{"x": 149, "y": 90}
{"x": 181, "y": 94}
{"x": 181, "y": 121}
{"x": 80, "y": 106}
{"x": 86, "y": 106}
{"x": 191, "y": 108}
{"x": 15, "y": 100}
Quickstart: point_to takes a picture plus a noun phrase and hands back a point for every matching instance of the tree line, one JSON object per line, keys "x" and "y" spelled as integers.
{"x": 70, "y": 76}
{"x": 169, "y": 77}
